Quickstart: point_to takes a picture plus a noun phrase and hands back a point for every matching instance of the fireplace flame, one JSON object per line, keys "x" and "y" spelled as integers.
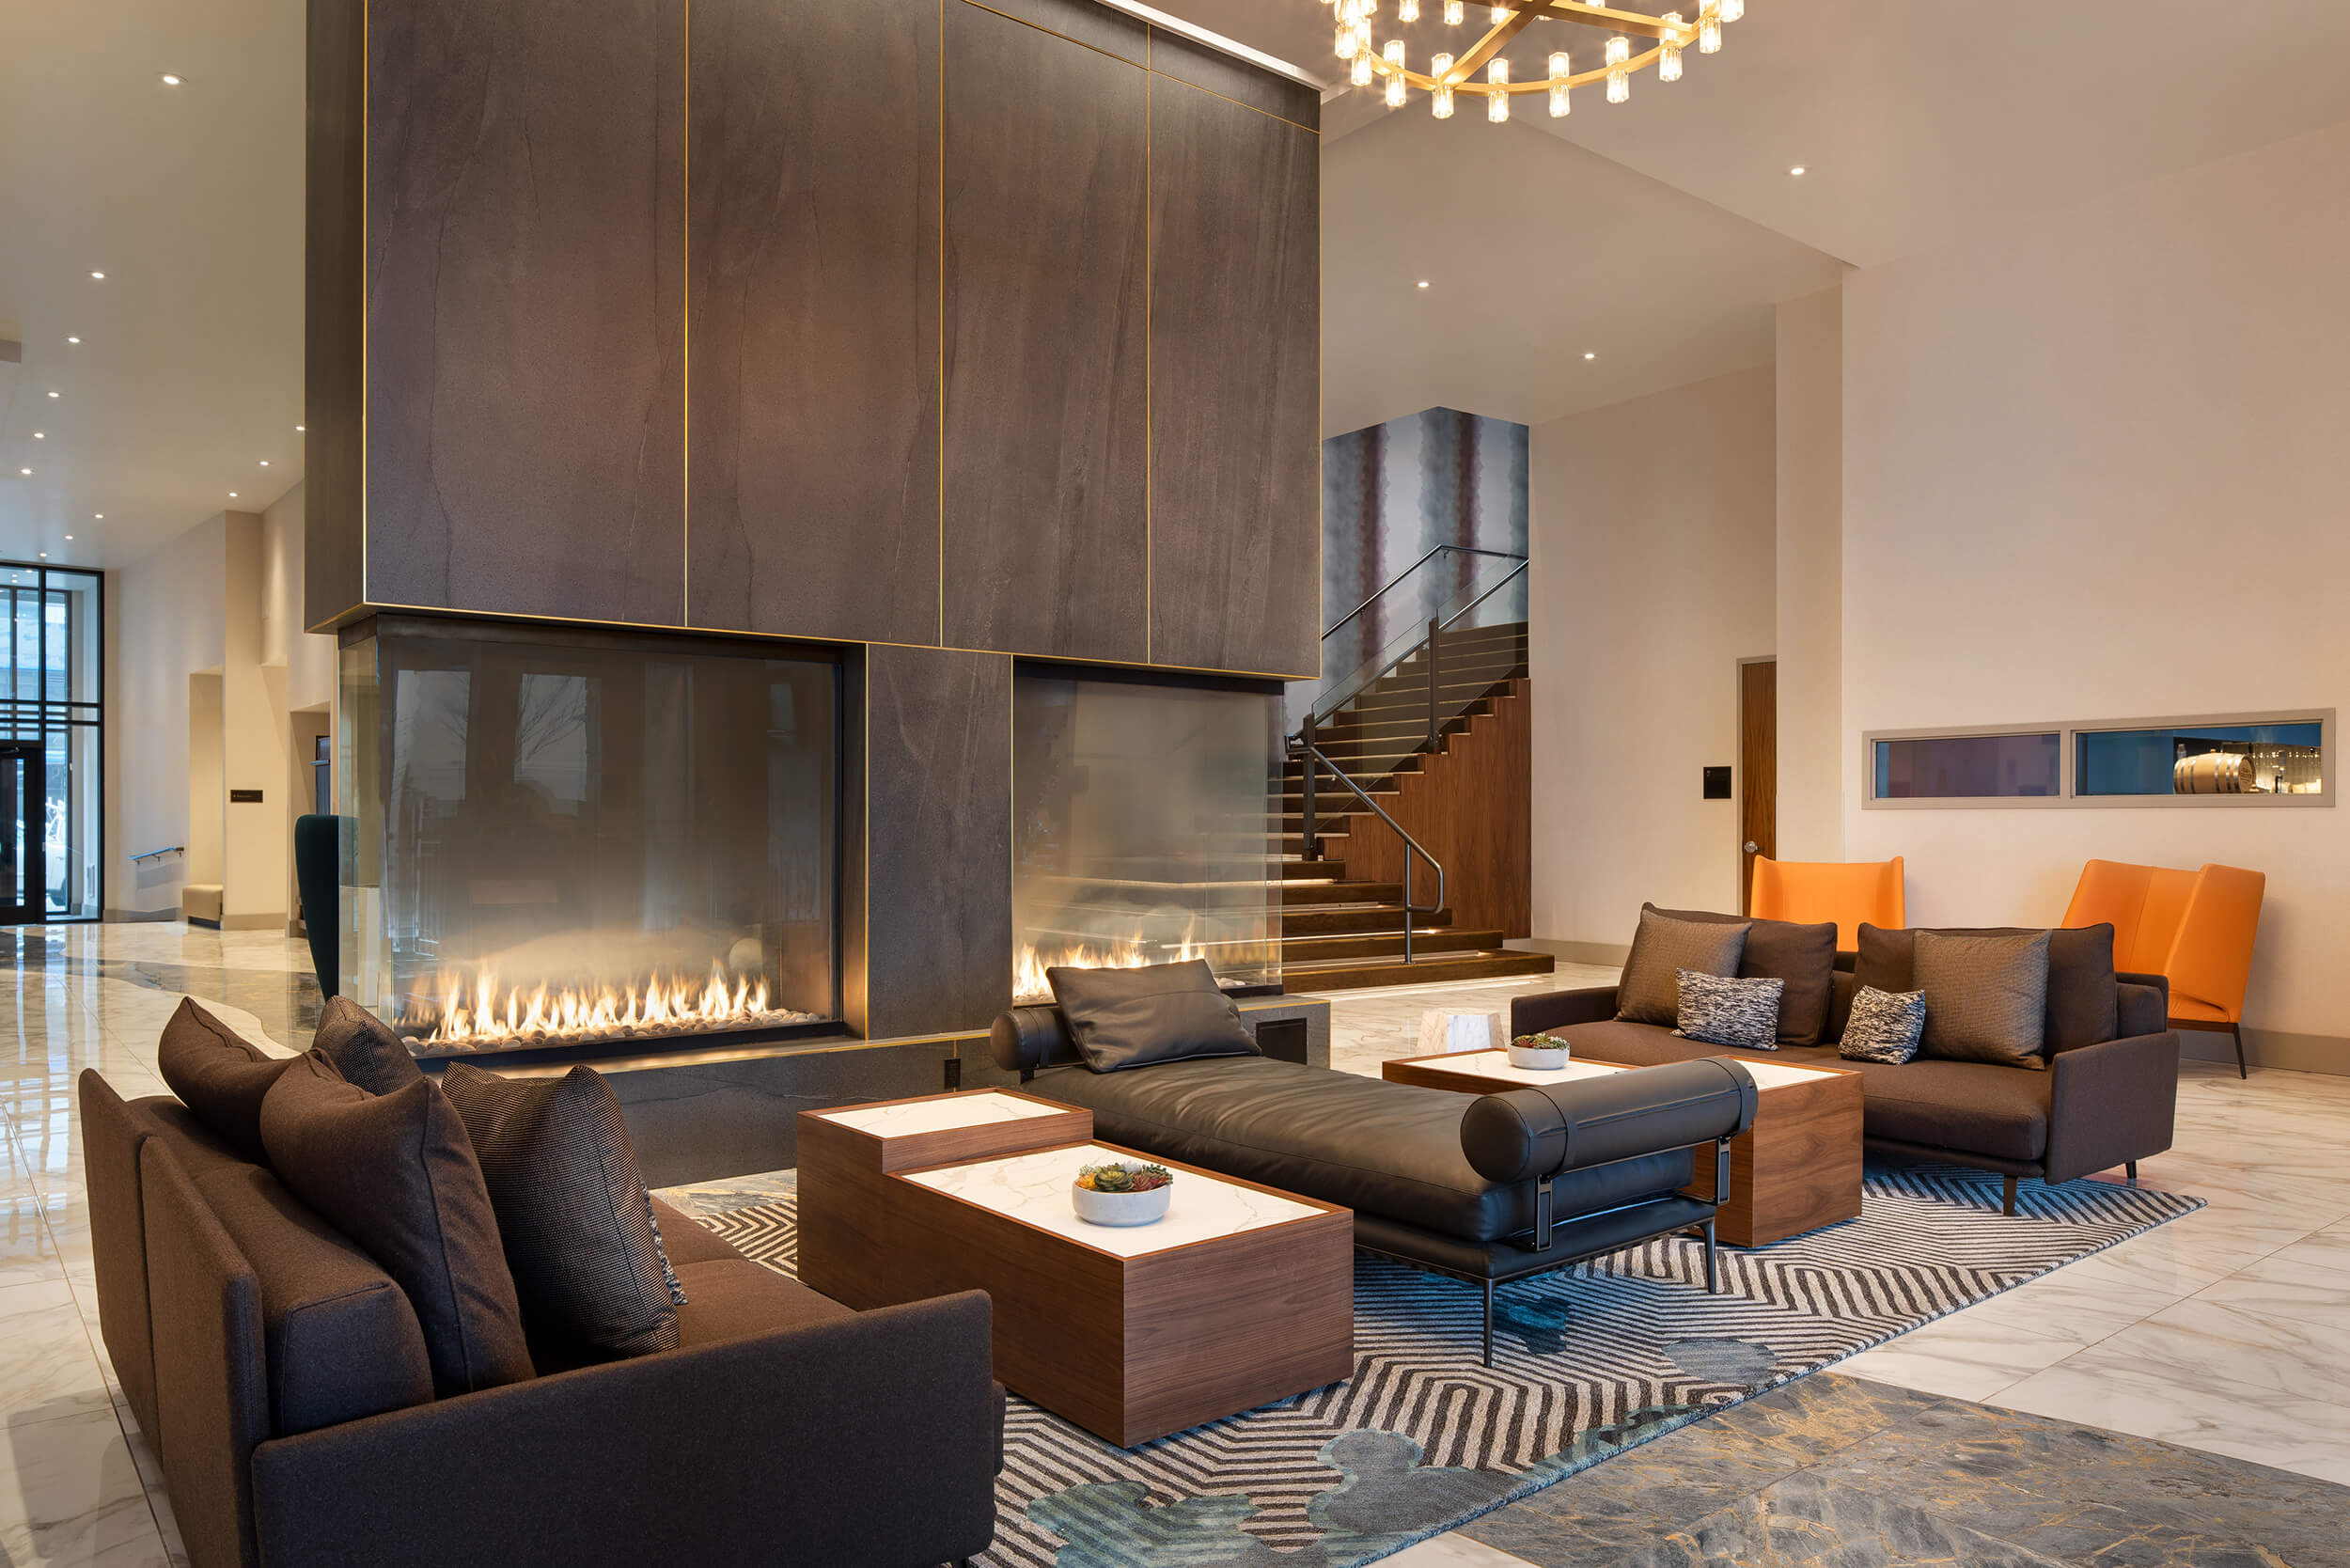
{"x": 487, "y": 1015}
{"x": 1028, "y": 982}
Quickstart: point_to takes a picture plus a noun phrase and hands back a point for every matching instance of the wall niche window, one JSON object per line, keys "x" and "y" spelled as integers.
{"x": 2240, "y": 759}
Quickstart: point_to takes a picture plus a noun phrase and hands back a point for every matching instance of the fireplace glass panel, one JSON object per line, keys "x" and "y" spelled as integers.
{"x": 1143, "y": 829}
{"x": 551, "y": 842}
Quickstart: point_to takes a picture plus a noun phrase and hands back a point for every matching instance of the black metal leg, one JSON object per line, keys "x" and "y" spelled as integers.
{"x": 1712, "y": 1263}
{"x": 2241, "y": 1070}
{"x": 2007, "y": 1205}
{"x": 2132, "y": 1168}
{"x": 1489, "y": 1322}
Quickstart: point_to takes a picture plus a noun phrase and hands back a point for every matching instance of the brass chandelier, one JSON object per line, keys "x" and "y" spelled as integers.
{"x": 1447, "y": 74}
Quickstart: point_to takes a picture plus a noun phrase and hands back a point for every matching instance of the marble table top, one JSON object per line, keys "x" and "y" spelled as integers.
{"x": 938, "y": 1115}
{"x": 1495, "y": 1064}
{"x": 1034, "y": 1189}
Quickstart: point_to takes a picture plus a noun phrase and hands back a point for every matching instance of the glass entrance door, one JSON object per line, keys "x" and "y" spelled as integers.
{"x": 24, "y": 813}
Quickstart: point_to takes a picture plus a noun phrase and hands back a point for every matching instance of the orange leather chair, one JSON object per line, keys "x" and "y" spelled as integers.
{"x": 2196, "y": 929}
{"x": 1813, "y": 892}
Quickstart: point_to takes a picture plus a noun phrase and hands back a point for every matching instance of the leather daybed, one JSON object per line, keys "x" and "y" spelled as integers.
{"x": 1485, "y": 1190}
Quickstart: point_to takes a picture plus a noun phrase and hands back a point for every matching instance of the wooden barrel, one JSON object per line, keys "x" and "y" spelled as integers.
{"x": 2213, "y": 773}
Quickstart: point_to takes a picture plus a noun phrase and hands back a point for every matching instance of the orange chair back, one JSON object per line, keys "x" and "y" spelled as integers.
{"x": 2212, "y": 961}
{"x": 1814, "y": 892}
{"x": 2143, "y": 904}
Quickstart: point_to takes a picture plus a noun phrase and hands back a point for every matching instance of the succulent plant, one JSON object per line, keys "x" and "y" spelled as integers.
{"x": 1124, "y": 1178}
{"x": 1540, "y": 1043}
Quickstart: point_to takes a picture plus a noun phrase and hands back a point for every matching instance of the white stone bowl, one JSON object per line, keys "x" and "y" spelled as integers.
{"x": 1121, "y": 1208}
{"x": 1536, "y": 1059}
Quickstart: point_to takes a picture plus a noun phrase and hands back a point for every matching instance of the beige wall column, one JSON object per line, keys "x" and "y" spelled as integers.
{"x": 1813, "y": 775}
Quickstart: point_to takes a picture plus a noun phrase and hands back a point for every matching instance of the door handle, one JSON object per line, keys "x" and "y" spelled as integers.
{"x": 1752, "y": 848}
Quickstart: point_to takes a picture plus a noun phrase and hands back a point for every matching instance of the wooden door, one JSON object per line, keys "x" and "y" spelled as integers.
{"x": 1758, "y": 771}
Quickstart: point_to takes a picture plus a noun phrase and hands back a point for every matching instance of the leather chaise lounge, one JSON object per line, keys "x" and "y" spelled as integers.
{"x": 1487, "y": 1190}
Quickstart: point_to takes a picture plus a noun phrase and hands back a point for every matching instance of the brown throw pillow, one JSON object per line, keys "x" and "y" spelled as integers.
{"x": 1649, "y": 992}
{"x": 396, "y": 1174}
{"x": 1986, "y": 997}
{"x": 2084, "y": 1000}
{"x": 1123, "y": 1018}
{"x": 572, "y": 1206}
{"x": 1803, "y": 956}
{"x": 219, "y": 1076}
{"x": 364, "y": 1049}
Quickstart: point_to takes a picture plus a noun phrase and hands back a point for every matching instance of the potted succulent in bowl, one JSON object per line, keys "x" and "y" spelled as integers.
{"x": 1124, "y": 1192}
{"x": 1539, "y": 1053}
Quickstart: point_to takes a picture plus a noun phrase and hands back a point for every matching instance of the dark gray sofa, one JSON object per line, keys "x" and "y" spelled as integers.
{"x": 280, "y": 1375}
{"x": 2099, "y": 1104}
{"x": 1485, "y": 1190}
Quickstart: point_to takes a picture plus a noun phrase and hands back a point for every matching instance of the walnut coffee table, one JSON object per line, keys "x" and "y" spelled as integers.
{"x": 1242, "y": 1296}
{"x": 1796, "y": 1170}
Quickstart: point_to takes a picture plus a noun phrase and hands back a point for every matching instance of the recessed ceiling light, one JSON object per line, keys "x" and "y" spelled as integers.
{"x": 169, "y": 80}
{"x": 1798, "y": 170}
{"x": 40, "y": 435}
{"x": 1591, "y": 356}
{"x": 100, "y": 276}
{"x": 232, "y": 496}
{"x": 98, "y": 517}
{"x": 44, "y": 555}
{"x": 26, "y": 472}
{"x": 299, "y": 428}
{"x": 74, "y": 339}
{"x": 68, "y": 539}
{"x": 265, "y": 462}
{"x": 56, "y": 394}
{"x": 1423, "y": 283}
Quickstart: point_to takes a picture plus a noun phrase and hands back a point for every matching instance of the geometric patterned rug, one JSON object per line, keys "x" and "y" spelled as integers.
{"x": 1588, "y": 1363}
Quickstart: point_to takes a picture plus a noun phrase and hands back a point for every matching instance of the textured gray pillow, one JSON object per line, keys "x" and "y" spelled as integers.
{"x": 1885, "y": 1026}
{"x": 1986, "y": 997}
{"x": 1720, "y": 1011}
{"x": 1649, "y": 992}
{"x": 363, "y": 1050}
{"x": 572, "y": 1207}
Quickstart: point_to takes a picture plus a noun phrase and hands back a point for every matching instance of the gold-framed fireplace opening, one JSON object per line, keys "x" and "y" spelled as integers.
{"x": 568, "y": 839}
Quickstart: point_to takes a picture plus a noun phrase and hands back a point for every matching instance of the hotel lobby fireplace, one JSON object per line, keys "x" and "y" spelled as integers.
{"x": 1143, "y": 827}
{"x": 566, "y": 837}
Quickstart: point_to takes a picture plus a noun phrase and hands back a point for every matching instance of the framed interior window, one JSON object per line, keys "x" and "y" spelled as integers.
{"x": 2252, "y": 760}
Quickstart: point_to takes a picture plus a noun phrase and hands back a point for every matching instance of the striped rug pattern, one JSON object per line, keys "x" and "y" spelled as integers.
{"x": 1588, "y": 1362}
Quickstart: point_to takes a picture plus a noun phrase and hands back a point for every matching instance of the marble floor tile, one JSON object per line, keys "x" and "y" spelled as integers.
{"x": 2121, "y": 1389}
{"x": 2242, "y": 1344}
{"x": 1961, "y": 1357}
{"x": 1453, "y": 1551}
{"x": 70, "y": 1497}
{"x": 49, "y": 1366}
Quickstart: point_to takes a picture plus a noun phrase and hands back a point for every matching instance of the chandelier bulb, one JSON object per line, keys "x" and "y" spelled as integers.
{"x": 1498, "y": 102}
{"x": 1561, "y": 69}
{"x": 1669, "y": 50}
{"x": 1710, "y": 32}
{"x": 1619, "y": 51}
{"x": 1360, "y": 75}
{"x": 1619, "y": 85}
{"x": 1346, "y": 41}
{"x": 1397, "y": 87}
{"x": 1733, "y": 9}
{"x": 1455, "y": 12}
{"x": 1501, "y": 15}
{"x": 1440, "y": 101}
{"x": 1408, "y": 10}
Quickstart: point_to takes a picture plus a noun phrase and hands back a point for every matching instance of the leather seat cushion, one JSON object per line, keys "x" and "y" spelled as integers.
{"x": 1649, "y": 1045}
{"x": 1973, "y": 1107}
{"x": 1375, "y": 1146}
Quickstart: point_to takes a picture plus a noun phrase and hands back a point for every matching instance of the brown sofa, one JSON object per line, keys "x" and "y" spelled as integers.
{"x": 280, "y": 1376}
{"x": 2100, "y": 1104}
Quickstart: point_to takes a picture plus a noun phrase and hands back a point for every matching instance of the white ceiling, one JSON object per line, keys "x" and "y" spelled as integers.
{"x": 189, "y": 198}
{"x": 1657, "y": 234}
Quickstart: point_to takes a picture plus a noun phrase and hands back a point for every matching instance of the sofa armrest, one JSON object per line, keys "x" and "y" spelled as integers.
{"x": 2143, "y": 1005}
{"x": 1027, "y": 1040}
{"x": 2112, "y": 1102}
{"x": 872, "y": 1439}
{"x": 1558, "y": 1010}
{"x": 1528, "y": 1134}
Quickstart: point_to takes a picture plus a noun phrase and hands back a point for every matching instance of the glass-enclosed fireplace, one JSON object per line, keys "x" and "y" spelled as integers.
{"x": 557, "y": 838}
{"x": 1143, "y": 827}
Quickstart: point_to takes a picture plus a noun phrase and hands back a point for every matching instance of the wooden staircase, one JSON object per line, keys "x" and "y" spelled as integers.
{"x": 1340, "y": 933}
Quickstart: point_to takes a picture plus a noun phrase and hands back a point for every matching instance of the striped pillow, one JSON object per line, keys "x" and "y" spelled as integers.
{"x": 1718, "y": 1011}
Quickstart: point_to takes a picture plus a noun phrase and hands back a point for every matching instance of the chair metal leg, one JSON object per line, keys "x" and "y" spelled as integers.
{"x": 2132, "y": 1169}
{"x": 1489, "y": 1322}
{"x": 2241, "y": 1070}
{"x": 1712, "y": 1263}
{"x": 2007, "y": 1205}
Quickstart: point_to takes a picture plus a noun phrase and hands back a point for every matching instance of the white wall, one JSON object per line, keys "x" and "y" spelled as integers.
{"x": 166, "y": 622}
{"x": 1810, "y": 567}
{"x": 2097, "y": 465}
{"x": 1653, "y": 575}
{"x": 307, "y": 660}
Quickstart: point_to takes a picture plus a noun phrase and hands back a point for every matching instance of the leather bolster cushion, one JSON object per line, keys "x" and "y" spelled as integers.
{"x": 1547, "y": 1131}
{"x": 1030, "y": 1038}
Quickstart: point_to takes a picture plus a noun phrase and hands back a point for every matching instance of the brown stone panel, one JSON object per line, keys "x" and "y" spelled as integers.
{"x": 1046, "y": 421}
{"x": 527, "y": 307}
{"x": 938, "y": 843}
{"x": 814, "y": 378}
{"x": 1235, "y": 386}
{"x": 335, "y": 455}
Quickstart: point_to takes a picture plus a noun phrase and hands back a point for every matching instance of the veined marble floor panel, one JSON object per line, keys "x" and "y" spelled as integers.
{"x": 2224, "y": 1331}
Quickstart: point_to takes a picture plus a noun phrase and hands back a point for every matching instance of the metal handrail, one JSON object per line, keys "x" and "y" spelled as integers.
{"x": 1464, "y": 549}
{"x": 157, "y": 854}
{"x": 1311, "y": 754}
{"x": 1506, "y": 578}
{"x": 1413, "y": 652}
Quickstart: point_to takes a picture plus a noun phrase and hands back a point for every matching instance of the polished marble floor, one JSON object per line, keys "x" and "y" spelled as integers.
{"x": 2226, "y": 1332}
